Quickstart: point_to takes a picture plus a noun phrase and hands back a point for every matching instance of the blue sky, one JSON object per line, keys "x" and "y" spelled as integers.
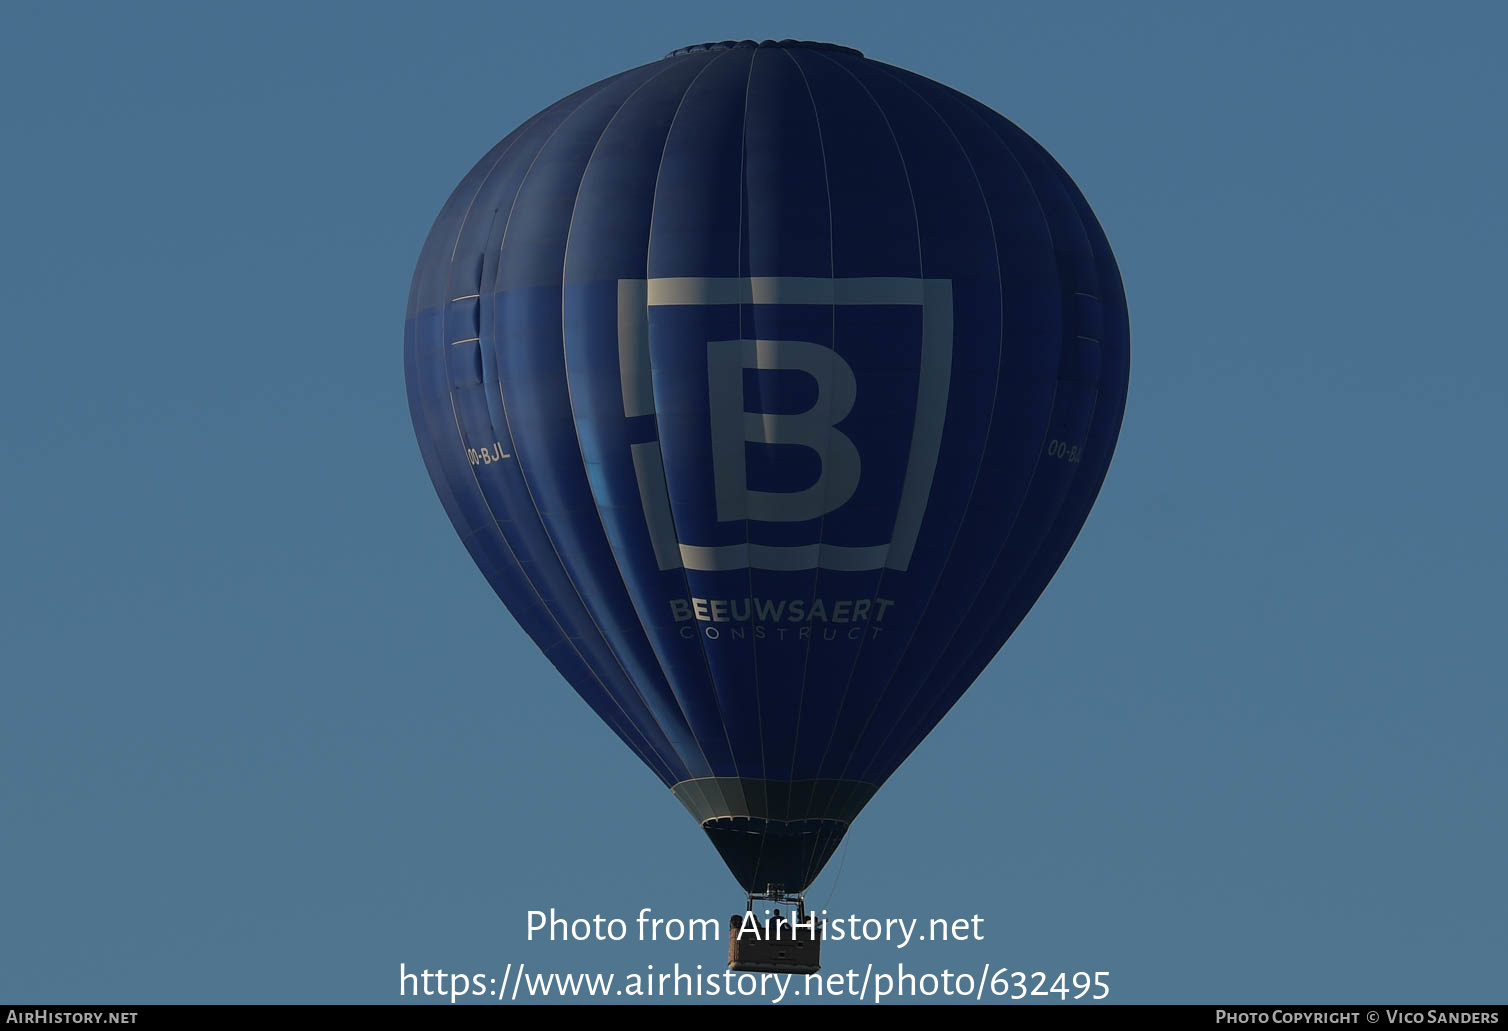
{"x": 265, "y": 732}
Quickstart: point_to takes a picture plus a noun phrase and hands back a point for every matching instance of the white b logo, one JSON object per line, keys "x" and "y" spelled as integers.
{"x": 816, "y": 428}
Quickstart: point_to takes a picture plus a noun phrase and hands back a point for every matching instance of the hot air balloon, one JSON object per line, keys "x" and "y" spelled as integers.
{"x": 768, "y": 385}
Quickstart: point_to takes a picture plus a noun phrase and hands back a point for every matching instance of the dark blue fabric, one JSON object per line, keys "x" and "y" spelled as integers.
{"x": 642, "y": 220}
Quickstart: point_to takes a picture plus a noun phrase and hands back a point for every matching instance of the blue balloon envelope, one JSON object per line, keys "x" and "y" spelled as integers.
{"x": 768, "y": 385}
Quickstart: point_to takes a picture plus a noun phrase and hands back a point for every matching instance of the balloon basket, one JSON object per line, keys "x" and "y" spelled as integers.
{"x": 776, "y": 945}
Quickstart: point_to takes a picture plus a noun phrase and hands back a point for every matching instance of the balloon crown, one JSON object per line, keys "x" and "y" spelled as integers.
{"x": 785, "y": 44}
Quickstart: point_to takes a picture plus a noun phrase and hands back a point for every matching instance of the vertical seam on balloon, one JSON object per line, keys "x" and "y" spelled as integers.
{"x": 1104, "y": 264}
{"x": 501, "y": 533}
{"x": 859, "y": 652}
{"x": 1086, "y": 221}
{"x": 446, "y": 487}
{"x": 565, "y": 252}
{"x": 564, "y": 637}
{"x": 648, "y": 245}
{"x": 1005, "y": 540}
{"x": 743, "y": 157}
{"x": 833, "y": 321}
{"x": 921, "y": 269}
{"x": 1054, "y": 175}
{"x": 524, "y": 477}
{"x": 647, "y": 710}
{"x": 507, "y": 144}
{"x": 821, "y": 836}
{"x": 970, "y": 659}
{"x": 487, "y": 176}
{"x": 425, "y": 413}
{"x": 1026, "y": 497}
{"x": 983, "y": 450}
{"x": 460, "y": 230}
{"x": 978, "y": 472}
{"x": 743, "y": 151}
